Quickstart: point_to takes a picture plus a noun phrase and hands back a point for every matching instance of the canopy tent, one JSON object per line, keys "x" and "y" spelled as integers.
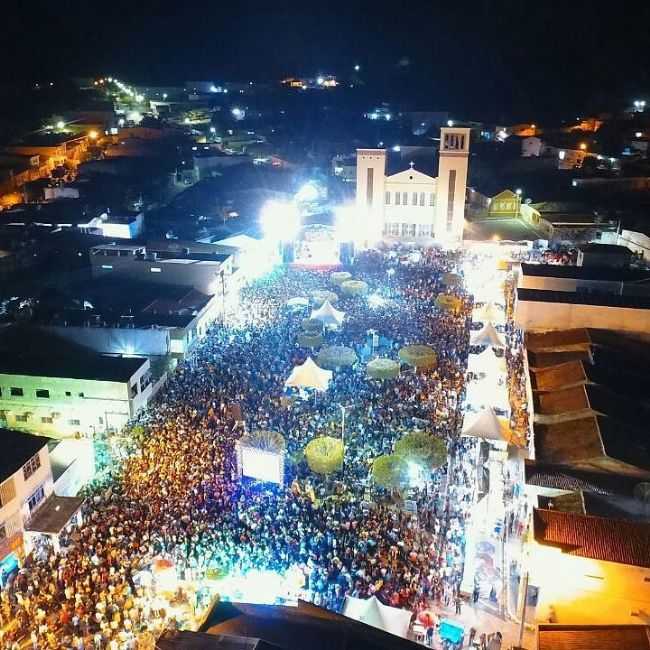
{"x": 309, "y": 375}
{"x": 418, "y": 356}
{"x": 373, "y": 612}
{"x": 382, "y": 369}
{"x": 310, "y": 340}
{"x": 319, "y": 296}
{"x": 297, "y": 302}
{"x": 339, "y": 277}
{"x": 489, "y": 312}
{"x": 327, "y": 315}
{"x": 487, "y": 363}
{"x": 447, "y": 302}
{"x": 311, "y": 326}
{"x": 487, "y": 335}
{"x": 336, "y": 356}
{"x": 354, "y": 288}
{"x": 488, "y": 426}
{"x": 486, "y": 394}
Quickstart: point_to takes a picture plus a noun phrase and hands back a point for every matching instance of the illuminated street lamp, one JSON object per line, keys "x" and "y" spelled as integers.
{"x": 518, "y": 191}
{"x": 60, "y": 125}
{"x": 357, "y": 67}
{"x": 93, "y": 134}
{"x": 583, "y": 146}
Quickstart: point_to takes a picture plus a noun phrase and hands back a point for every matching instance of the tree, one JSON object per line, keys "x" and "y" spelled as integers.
{"x": 422, "y": 448}
{"x": 390, "y": 472}
{"x": 324, "y": 455}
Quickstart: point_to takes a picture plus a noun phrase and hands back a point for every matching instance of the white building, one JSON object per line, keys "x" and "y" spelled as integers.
{"x": 72, "y": 396}
{"x": 411, "y": 205}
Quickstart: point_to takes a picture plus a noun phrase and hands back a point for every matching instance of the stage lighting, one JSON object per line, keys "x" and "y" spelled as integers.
{"x": 346, "y": 223}
{"x": 280, "y": 221}
{"x": 307, "y": 193}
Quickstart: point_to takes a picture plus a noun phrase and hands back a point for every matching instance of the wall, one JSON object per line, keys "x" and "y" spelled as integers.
{"x": 410, "y": 183}
{"x": 15, "y": 512}
{"x": 531, "y": 315}
{"x": 370, "y": 201}
{"x": 587, "y": 592}
{"x": 91, "y": 407}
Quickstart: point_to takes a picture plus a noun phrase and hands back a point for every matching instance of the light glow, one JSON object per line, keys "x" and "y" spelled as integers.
{"x": 307, "y": 193}
{"x": 280, "y": 220}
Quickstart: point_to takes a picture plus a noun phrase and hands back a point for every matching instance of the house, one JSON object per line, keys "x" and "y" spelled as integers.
{"x": 506, "y": 204}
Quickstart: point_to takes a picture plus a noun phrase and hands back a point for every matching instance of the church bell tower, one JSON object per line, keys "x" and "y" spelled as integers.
{"x": 452, "y": 185}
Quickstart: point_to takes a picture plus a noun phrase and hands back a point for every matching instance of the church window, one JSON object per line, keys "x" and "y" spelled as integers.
{"x": 431, "y": 199}
{"x": 421, "y": 199}
{"x": 405, "y": 229}
{"x": 405, "y": 198}
{"x": 387, "y": 198}
{"x": 397, "y": 198}
{"x": 412, "y": 230}
{"x": 414, "y": 200}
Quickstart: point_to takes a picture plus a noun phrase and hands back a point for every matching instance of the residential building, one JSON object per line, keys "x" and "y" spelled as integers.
{"x": 25, "y": 483}
{"x": 411, "y": 205}
{"x": 505, "y": 205}
{"x": 54, "y": 149}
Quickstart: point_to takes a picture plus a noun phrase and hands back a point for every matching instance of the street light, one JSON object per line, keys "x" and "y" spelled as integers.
{"x": 357, "y": 67}
{"x": 60, "y": 125}
{"x": 93, "y": 134}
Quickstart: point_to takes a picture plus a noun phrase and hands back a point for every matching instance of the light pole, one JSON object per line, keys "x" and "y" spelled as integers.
{"x": 342, "y": 422}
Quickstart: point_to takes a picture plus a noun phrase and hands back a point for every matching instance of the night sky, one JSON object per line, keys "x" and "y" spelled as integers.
{"x": 501, "y": 59}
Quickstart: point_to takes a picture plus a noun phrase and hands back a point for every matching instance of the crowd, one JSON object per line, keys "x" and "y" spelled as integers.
{"x": 176, "y": 494}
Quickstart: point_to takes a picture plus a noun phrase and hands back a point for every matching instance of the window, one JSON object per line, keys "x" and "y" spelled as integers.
{"x": 46, "y": 420}
{"x": 68, "y": 393}
{"x": 424, "y": 230}
{"x": 42, "y": 392}
{"x": 387, "y": 198}
{"x": 3, "y": 532}
{"x": 82, "y": 395}
{"x": 22, "y": 418}
{"x": 405, "y": 198}
{"x": 31, "y": 466}
{"x": 134, "y": 389}
{"x": 421, "y": 199}
{"x": 108, "y": 267}
{"x": 155, "y": 269}
{"x": 398, "y": 198}
{"x": 405, "y": 230}
{"x": 16, "y": 392}
{"x": 7, "y": 492}
{"x": 432, "y": 199}
{"x": 394, "y": 229}
{"x": 414, "y": 199}
{"x": 36, "y": 498}
{"x": 369, "y": 185}
{"x": 74, "y": 423}
{"x": 411, "y": 230}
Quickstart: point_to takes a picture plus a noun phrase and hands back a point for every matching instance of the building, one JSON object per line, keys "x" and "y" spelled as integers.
{"x": 123, "y": 317}
{"x": 208, "y": 273}
{"x": 411, "y": 205}
{"x": 506, "y": 204}
{"x": 601, "y": 279}
{"x": 51, "y": 387}
{"x": 588, "y": 569}
{"x": 604, "y": 255}
{"x": 54, "y": 149}
{"x": 25, "y": 483}
{"x": 593, "y": 637}
{"x": 538, "y": 309}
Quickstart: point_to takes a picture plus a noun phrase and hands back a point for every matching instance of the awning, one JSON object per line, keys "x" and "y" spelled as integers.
{"x": 54, "y": 515}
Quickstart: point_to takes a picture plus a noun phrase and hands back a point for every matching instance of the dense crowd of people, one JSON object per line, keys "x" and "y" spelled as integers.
{"x": 177, "y": 495}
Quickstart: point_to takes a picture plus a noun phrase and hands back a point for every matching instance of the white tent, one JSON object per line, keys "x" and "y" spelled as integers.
{"x": 487, "y": 335}
{"x": 373, "y": 612}
{"x": 487, "y": 425}
{"x": 487, "y": 363}
{"x": 486, "y": 394}
{"x": 309, "y": 375}
{"x": 489, "y": 312}
{"x": 327, "y": 315}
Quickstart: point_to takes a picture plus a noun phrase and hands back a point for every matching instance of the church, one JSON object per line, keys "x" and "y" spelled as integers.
{"x": 410, "y": 205}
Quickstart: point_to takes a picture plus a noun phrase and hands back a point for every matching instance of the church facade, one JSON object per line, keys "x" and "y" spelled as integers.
{"x": 410, "y": 205}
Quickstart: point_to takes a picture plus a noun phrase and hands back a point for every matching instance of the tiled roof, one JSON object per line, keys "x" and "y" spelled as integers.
{"x": 610, "y": 540}
{"x": 593, "y": 637}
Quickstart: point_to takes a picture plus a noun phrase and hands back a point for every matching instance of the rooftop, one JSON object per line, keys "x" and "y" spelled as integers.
{"x": 54, "y": 515}
{"x": 32, "y": 352}
{"x": 595, "y": 273}
{"x": 593, "y": 637}
{"x": 605, "y": 249}
{"x": 17, "y": 449}
{"x": 598, "y": 538}
{"x": 584, "y": 298}
{"x": 558, "y": 340}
